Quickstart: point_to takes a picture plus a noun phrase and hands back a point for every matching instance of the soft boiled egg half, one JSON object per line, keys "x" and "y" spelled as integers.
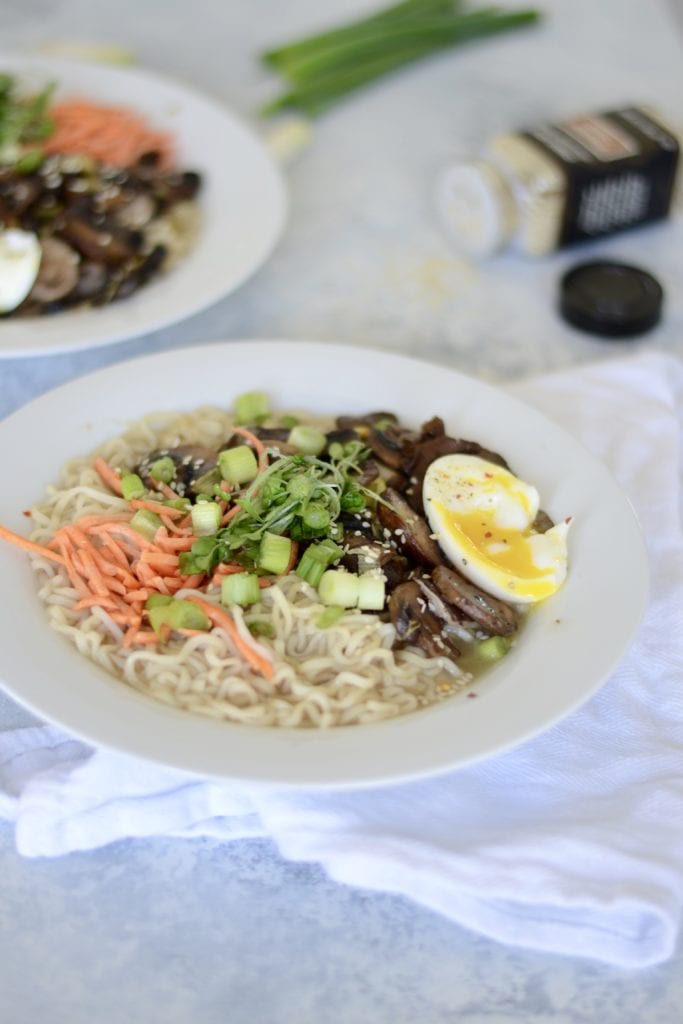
{"x": 482, "y": 516}
{"x": 20, "y": 254}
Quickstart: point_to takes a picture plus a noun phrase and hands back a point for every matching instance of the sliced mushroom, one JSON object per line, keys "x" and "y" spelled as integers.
{"x": 191, "y": 462}
{"x": 103, "y": 243}
{"x": 389, "y": 445}
{"x": 363, "y": 555}
{"x": 133, "y": 274}
{"x": 492, "y": 615}
{"x": 453, "y": 624}
{"x": 134, "y": 211}
{"x": 370, "y": 419}
{"x": 542, "y": 523}
{"x": 414, "y": 623}
{"x": 58, "y": 272}
{"x": 408, "y": 530}
{"x": 92, "y": 279}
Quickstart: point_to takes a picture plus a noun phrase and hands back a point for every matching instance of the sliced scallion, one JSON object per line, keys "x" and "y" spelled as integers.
{"x": 315, "y": 516}
{"x": 251, "y": 407}
{"x": 308, "y": 440}
{"x": 238, "y": 465}
{"x": 493, "y": 649}
{"x": 371, "y": 592}
{"x": 132, "y": 486}
{"x": 275, "y": 552}
{"x": 177, "y": 614}
{"x": 329, "y": 616}
{"x": 316, "y": 559}
{"x": 240, "y": 588}
{"x": 157, "y": 601}
{"x": 206, "y": 518}
{"x": 261, "y": 627}
{"x": 146, "y": 523}
{"x": 163, "y": 470}
{"x": 338, "y": 587}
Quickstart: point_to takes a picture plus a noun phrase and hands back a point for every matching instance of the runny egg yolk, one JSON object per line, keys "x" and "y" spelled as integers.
{"x": 482, "y": 516}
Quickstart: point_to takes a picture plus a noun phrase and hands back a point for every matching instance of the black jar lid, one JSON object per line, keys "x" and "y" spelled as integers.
{"x": 611, "y": 299}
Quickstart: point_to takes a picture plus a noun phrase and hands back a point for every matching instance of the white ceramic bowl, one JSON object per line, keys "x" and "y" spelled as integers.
{"x": 566, "y": 650}
{"x": 243, "y": 205}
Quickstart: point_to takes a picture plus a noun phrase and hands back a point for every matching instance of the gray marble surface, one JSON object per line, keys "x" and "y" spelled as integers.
{"x": 179, "y": 931}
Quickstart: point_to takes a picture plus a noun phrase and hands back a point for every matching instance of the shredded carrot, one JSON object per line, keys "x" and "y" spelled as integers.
{"x": 175, "y": 543}
{"x": 108, "y": 476}
{"x": 170, "y": 526}
{"x": 160, "y": 560}
{"x": 255, "y": 655}
{"x": 230, "y": 514}
{"x": 140, "y": 636}
{"x": 167, "y": 491}
{"x": 111, "y": 134}
{"x": 157, "y": 506}
{"x": 29, "y": 545}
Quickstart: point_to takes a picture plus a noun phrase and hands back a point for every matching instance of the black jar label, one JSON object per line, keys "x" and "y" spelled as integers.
{"x": 620, "y": 170}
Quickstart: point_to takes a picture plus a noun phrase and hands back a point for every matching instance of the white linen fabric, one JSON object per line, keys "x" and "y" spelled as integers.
{"x": 571, "y": 843}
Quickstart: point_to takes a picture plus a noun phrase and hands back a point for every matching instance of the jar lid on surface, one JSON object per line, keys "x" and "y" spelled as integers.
{"x": 610, "y": 299}
{"x": 477, "y": 207}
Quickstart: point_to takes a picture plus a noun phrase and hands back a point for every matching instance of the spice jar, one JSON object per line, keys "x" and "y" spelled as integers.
{"x": 551, "y": 186}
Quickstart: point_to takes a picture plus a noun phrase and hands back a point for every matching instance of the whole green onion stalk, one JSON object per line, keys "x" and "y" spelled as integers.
{"x": 321, "y": 69}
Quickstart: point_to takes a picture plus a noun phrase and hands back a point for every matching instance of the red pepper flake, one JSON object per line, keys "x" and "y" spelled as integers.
{"x": 470, "y": 694}
{"x": 488, "y": 534}
{"x": 27, "y": 513}
{"x": 489, "y": 476}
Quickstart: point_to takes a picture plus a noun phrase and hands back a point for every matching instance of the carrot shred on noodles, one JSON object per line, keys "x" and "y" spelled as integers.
{"x": 113, "y": 135}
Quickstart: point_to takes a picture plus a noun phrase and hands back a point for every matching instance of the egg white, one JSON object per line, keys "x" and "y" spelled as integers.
{"x": 20, "y": 254}
{"x": 481, "y": 515}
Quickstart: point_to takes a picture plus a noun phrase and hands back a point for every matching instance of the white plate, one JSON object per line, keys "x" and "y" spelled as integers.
{"x": 567, "y": 649}
{"x": 243, "y": 202}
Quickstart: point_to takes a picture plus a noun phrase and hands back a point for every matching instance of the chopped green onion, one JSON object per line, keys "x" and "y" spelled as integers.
{"x": 146, "y": 523}
{"x": 177, "y": 614}
{"x": 29, "y": 162}
{"x": 158, "y": 619}
{"x": 336, "y": 451}
{"x": 207, "y": 482}
{"x": 261, "y": 627}
{"x": 238, "y": 465}
{"x": 329, "y": 616}
{"x": 338, "y": 587}
{"x": 163, "y": 470}
{"x": 275, "y": 552}
{"x": 371, "y": 592}
{"x": 493, "y": 649}
{"x": 316, "y": 559}
{"x": 315, "y": 516}
{"x": 321, "y": 69}
{"x": 252, "y": 407}
{"x": 240, "y": 588}
{"x": 157, "y": 601}
{"x": 300, "y": 488}
{"x": 288, "y": 421}
{"x": 308, "y": 440}
{"x": 182, "y": 504}
{"x": 206, "y": 518}
{"x": 132, "y": 486}
{"x": 187, "y": 615}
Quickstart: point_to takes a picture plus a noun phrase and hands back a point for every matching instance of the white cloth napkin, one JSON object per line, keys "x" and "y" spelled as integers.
{"x": 571, "y": 843}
